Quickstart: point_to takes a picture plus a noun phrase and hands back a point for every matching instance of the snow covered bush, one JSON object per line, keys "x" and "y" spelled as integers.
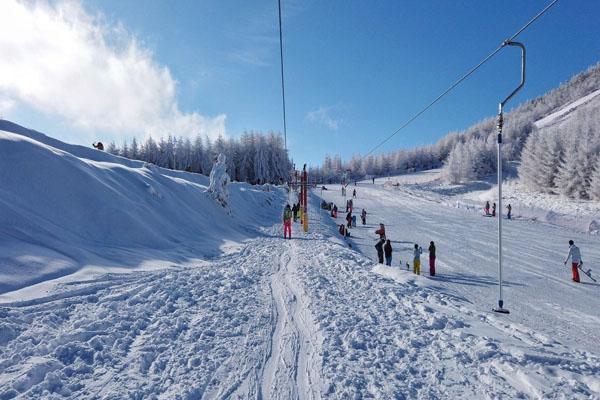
{"x": 219, "y": 179}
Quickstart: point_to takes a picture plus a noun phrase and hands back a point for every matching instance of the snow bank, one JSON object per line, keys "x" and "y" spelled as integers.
{"x": 64, "y": 208}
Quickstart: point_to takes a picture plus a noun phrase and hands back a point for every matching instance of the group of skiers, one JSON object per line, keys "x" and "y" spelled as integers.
{"x": 486, "y": 208}
{"x": 384, "y": 245}
{"x": 384, "y": 249}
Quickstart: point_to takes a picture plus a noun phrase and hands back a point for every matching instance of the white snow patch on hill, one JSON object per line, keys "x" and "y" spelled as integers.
{"x": 67, "y": 208}
{"x": 565, "y": 112}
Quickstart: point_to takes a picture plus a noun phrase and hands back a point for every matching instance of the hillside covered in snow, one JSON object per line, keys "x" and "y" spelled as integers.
{"x": 124, "y": 280}
{"x": 68, "y": 208}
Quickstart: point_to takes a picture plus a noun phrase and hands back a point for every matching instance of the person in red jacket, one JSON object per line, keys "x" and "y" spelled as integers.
{"x": 381, "y": 231}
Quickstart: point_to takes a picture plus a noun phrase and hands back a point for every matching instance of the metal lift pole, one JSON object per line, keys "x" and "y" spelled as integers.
{"x": 501, "y": 308}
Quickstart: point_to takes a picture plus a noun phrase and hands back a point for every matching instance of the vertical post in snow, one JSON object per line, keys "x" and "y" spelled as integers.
{"x": 501, "y": 308}
{"x": 305, "y": 195}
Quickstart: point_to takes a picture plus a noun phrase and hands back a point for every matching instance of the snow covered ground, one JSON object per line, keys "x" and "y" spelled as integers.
{"x": 579, "y": 215}
{"x": 246, "y": 314}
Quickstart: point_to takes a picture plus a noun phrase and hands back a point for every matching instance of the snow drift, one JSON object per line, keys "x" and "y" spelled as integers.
{"x": 66, "y": 207}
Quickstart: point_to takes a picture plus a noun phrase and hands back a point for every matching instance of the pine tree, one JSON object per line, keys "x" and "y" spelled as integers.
{"x": 595, "y": 181}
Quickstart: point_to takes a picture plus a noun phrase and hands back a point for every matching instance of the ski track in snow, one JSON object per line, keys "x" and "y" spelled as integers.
{"x": 306, "y": 318}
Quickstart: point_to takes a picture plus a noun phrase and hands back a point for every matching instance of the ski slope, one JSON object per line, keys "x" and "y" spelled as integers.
{"x": 228, "y": 309}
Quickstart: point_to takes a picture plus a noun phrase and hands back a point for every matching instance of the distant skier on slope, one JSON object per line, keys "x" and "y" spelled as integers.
{"x": 350, "y": 205}
{"x": 295, "y": 208}
{"x": 98, "y": 146}
{"x": 509, "y": 211}
{"x": 349, "y": 219}
{"x": 494, "y": 210}
{"x": 334, "y": 211}
{"x": 379, "y": 248}
{"x": 487, "y": 208}
{"x": 575, "y": 256}
{"x": 363, "y": 217}
{"x": 381, "y": 231}
{"x": 287, "y": 221}
{"x": 431, "y": 258}
{"x": 354, "y": 193}
{"x": 417, "y": 259}
{"x": 387, "y": 249}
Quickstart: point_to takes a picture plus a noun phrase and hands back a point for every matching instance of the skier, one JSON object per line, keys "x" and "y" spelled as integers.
{"x": 387, "y": 249}
{"x": 287, "y": 221}
{"x": 344, "y": 231}
{"x": 373, "y": 180}
{"x": 354, "y": 221}
{"x": 351, "y": 205}
{"x": 381, "y": 232}
{"x": 295, "y": 211}
{"x": 334, "y": 211}
{"x": 354, "y": 193}
{"x": 417, "y": 259}
{"x": 431, "y": 258}
{"x": 98, "y": 146}
{"x": 509, "y": 211}
{"x": 349, "y": 219}
{"x": 487, "y": 208}
{"x": 347, "y": 205}
{"x": 494, "y": 210}
{"x": 576, "y": 261}
{"x": 363, "y": 217}
{"x": 379, "y": 247}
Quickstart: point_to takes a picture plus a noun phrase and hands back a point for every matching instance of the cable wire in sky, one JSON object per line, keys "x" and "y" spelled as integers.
{"x": 461, "y": 79}
{"x": 282, "y": 80}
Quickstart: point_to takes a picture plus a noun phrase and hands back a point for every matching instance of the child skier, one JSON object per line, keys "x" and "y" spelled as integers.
{"x": 431, "y": 258}
{"x": 417, "y": 259}
{"x": 287, "y": 221}
{"x": 379, "y": 247}
{"x": 387, "y": 249}
{"x": 363, "y": 217}
{"x": 576, "y": 261}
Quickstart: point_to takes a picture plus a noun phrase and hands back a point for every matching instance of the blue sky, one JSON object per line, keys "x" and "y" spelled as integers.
{"x": 355, "y": 70}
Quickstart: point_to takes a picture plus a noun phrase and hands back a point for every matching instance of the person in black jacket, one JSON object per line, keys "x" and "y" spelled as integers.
{"x": 379, "y": 247}
{"x": 387, "y": 250}
{"x": 431, "y": 258}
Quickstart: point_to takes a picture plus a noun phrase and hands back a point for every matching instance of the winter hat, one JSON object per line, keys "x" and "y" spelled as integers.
{"x": 571, "y": 243}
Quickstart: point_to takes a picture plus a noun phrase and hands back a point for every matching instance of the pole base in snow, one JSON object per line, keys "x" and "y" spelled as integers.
{"x": 501, "y": 308}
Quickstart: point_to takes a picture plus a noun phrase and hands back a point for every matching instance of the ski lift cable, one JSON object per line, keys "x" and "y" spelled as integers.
{"x": 282, "y": 80}
{"x": 461, "y": 79}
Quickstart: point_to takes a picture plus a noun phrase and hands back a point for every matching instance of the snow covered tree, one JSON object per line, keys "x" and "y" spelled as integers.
{"x": 595, "y": 181}
{"x": 219, "y": 179}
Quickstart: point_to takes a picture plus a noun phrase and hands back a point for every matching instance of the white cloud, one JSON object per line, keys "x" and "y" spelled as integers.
{"x": 322, "y": 116}
{"x": 62, "y": 61}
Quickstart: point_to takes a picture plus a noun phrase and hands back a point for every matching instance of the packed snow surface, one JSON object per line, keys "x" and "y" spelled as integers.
{"x": 246, "y": 314}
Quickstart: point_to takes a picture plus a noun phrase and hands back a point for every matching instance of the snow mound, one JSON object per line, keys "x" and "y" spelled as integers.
{"x": 64, "y": 208}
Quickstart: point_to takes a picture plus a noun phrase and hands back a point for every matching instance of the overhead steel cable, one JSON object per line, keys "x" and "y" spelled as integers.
{"x": 461, "y": 79}
{"x": 282, "y": 80}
